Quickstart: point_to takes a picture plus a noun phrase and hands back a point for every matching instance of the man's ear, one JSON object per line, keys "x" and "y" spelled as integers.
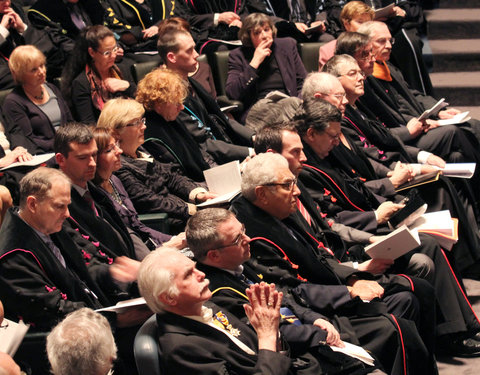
{"x": 271, "y": 150}
{"x": 31, "y": 203}
{"x": 60, "y": 159}
{"x": 310, "y": 134}
{"x": 167, "y": 299}
{"x": 90, "y": 51}
{"x": 260, "y": 192}
{"x": 317, "y": 95}
{"x": 171, "y": 57}
{"x": 213, "y": 256}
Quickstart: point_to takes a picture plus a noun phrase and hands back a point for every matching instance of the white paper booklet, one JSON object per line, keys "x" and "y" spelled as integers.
{"x": 355, "y": 351}
{"x": 439, "y": 224}
{"x": 434, "y": 110}
{"x": 461, "y": 170}
{"x": 457, "y": 119}
{"x": 11, "y": 335}
{"x": 36, "y": 160}
{"x": 224, "y": 180}
{"x": 394, "y": 245}
{"x": 384, "y": 12}
{"x": 124, "y": 305}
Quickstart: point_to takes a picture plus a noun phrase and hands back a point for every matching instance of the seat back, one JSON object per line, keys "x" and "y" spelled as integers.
{"x": 3, "y": 95}
{"x": 219, "y": 65}
{"x": 146, "y": 349}
{"x": 309, "y": 55}
{"x": 140, "y": 70}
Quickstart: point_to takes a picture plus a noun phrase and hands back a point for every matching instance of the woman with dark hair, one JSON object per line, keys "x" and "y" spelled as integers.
{"x": 108, "y": 161}
{"x": 264, "y": 63}
{"x": 91, "y": 77}
{"x": 35, "y": 106}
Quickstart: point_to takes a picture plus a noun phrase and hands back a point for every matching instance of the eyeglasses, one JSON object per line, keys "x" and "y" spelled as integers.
{"x": 108, "y": 53}
{"x": 287, "y": 185}
{"x": 116, "y": 145}
{"x": 383, "y": 41}
{"x": 238, "y": 240}
{"x": 138, "y": 122}
{"x": 335, "y": 137}
{"x": 353, "y": 74}
{"x": 365, "y": 55}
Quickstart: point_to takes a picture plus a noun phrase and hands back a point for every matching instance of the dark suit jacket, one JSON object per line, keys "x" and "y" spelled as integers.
{"x": 350, "y": 204}
{"x": 34, "y": 123}
{"x": 33, "y": 283}
{"x": 191, "y": 347}
{"x": 243, "y": 79}
{"x": 225, "y": 139}
{"x": 106, "y": 227}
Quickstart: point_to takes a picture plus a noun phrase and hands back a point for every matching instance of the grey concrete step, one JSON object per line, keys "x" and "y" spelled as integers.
{"x": 453, "y": 24}
{"x": 459, "y": 88}
{"x": 460, "y": 55}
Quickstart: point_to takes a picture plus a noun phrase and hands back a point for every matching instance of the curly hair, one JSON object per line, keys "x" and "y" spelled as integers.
{"x": 161, "y": 86}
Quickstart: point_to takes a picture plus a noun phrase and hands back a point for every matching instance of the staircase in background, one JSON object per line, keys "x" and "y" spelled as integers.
{"x": 454, "y": 39}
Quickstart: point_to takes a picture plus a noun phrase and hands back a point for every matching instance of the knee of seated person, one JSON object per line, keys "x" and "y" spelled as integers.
{"x": 422, "y": 266}
{"x": 404, "y": 305}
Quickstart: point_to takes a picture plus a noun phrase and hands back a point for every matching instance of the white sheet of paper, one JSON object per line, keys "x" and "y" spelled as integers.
{"x": 460, "y": 170}
{"x": 384, "y": 12}
{"x": 12, "y": 335}
{"x": 36, "y": 160}
{"x": 122, "y": 305}
{"x": 457, "y": 119}
{"x": 355, "y": 351}
{"x": 224, "y": 179}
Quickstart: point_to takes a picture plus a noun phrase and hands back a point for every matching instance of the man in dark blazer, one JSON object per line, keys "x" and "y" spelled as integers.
{"x": 76, "y": 154}
{"x": 197, "y": 339}
{"x": 45, "y": 271}
{"x": 224, "y": 138}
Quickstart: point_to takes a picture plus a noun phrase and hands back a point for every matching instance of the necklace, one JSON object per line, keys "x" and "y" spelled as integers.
{"x": 39, "y": 97}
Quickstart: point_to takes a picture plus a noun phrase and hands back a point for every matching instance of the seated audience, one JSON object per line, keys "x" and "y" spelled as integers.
{"x": 45, "y": 271}
{"x": 91, "y": 77}
{"x": 353, "y": 14}
{"x": 214, "y": 21}
{"x": 108, "y": 161}
{"x": 305, "y": 325}
{"x": 152, "y": 186}
{"x": 162, "y": 93}
{"x": 294, "y": 18}
{"x": 34, "y": 105}
{"x": 226, "y": 139}
{"x": 284, "y": 249}
{"x": 402, "y": 22}
{"x": 264, "y": 64}
{"x": 82, "y": 343}
{"x": 387, "y": 156}
{"x": 76, "y": 155}
{"x": 196, "y": 337}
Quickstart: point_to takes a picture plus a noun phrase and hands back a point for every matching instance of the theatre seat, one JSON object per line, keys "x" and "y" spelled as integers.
{"x": 146, "y": 349}
{"x": 140, "y": 70}
{"x": 309, "y": 55}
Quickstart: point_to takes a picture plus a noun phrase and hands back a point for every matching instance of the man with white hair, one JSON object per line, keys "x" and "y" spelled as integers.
{"x": 82, "y": 343}
{"x": 198, "y": 338}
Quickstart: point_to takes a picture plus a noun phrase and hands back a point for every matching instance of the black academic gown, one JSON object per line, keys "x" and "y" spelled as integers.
{"x": 36, "y": 287}
{"x": 191, "y": 347}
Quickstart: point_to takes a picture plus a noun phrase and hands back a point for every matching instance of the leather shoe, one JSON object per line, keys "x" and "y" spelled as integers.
{"x": 468, "y": 347}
